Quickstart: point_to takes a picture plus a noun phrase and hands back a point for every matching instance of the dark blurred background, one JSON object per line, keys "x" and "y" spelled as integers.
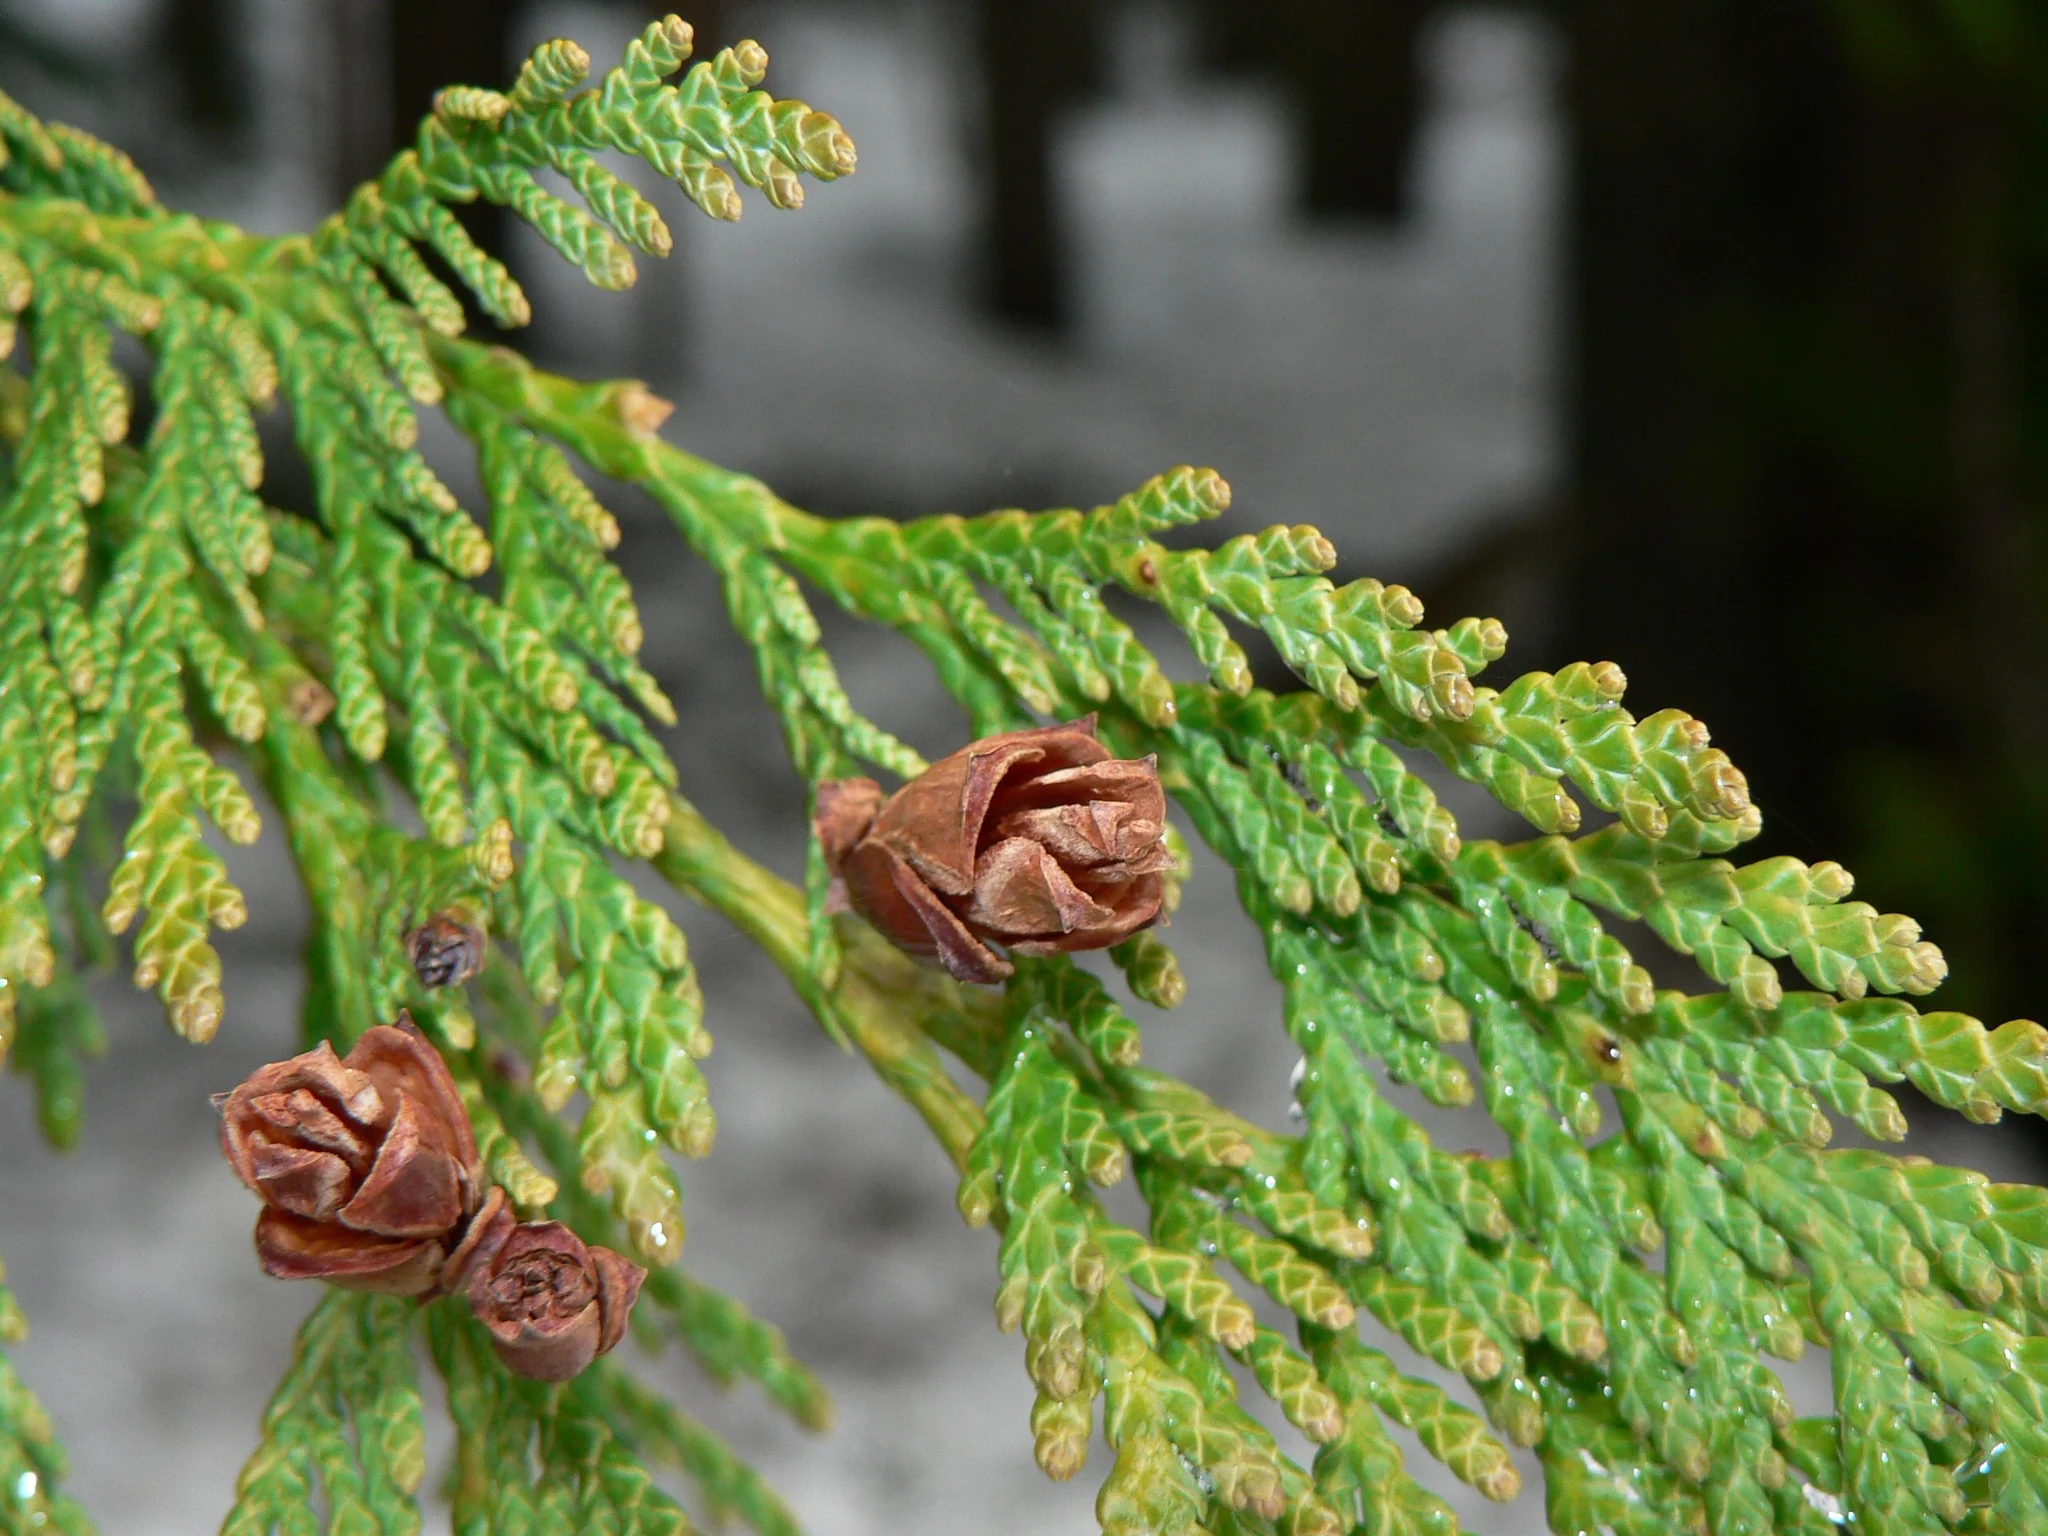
{"x": 1706, "y": 336}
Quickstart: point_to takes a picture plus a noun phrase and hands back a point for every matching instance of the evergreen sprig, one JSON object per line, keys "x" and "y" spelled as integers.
{"x": 32, "y": 1463}
{"x": 1609, "y": 1290}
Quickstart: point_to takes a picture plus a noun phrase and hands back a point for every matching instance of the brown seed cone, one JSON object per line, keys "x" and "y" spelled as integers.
{"x": 550, "y": 1304}
{"x": 367, "y": 1165}
{"x": 1038, "y": 841}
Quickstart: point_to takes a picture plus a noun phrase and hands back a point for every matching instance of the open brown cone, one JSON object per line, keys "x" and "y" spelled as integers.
{"x": 1036, "y": 842}
{"x": 366, "y": 1163}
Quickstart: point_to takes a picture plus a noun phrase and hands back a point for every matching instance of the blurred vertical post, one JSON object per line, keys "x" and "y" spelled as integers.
{"x": 1350, "y": 68}
{"x": 1035, "y": 60}
{"x": 202, "y": 41}
{"x": 1352, "y": 63}
{"x": 442, "y": 43}
{"x": 437, "y": 44}
{"x": 1807, "y": 370}
{"x": 359, "y": 137}
{"x": 389, "y": 57}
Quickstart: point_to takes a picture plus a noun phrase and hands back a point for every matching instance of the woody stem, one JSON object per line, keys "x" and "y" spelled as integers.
{"x": 889, "y": 1007}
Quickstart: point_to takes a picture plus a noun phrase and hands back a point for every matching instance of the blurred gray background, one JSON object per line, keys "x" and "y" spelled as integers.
{"x": 1191, "y": 281}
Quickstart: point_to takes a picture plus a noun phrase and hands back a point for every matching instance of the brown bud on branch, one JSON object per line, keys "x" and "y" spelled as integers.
{"x": 550, "y": 1304}
{"x": 1038, "y": 841}
{"x": 446, "y": 950}
{"x": 366, "y": 1163}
